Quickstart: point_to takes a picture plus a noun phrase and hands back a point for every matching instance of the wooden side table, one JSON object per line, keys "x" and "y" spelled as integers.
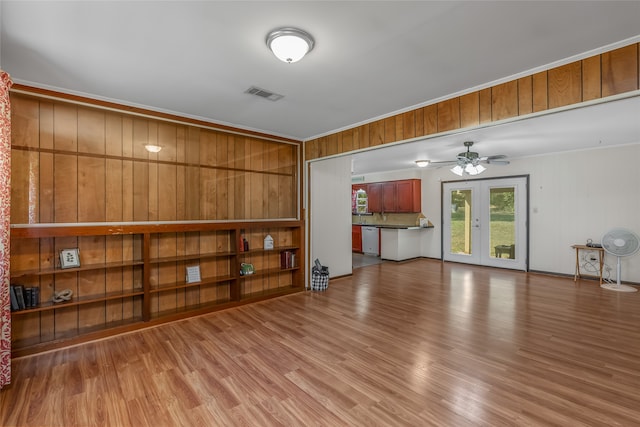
{"x": 600, "y": 251}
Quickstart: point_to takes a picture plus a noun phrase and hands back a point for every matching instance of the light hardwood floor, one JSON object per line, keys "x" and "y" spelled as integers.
{"x": 414, "y": 343}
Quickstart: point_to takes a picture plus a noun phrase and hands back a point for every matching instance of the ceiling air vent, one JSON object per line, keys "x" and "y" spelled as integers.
{"x": 253, "y": 90}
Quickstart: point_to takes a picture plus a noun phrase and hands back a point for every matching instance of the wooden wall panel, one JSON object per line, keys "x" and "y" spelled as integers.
{"x": 365, "y": 135}
{"x": 153, "y": 203}
{"x": 469, "y": 110}
{"x": 449, "y": 115}
{"x": 430, "y": 115}
{"x": 565, "y": 85}
{"x": 128, "y": 193}
{"x": 591, "y": 78}
{"x": 540, "y": 92}
{"x": 167, "y": 139}
{"x": 140, "y": 194}
{"x": 347, "y": 140}
{"x": 484, "y": 98}
{"x": 167, "y": 192}
{"x": 409, "y": 124}
{"x": 46, "y": 125}
{"x": 376, "y": 134}
{"x": 390, "y": 130}
{"x": 504, "y": 100}
{"x": 65, "y": 188}
{"x": 127, "y": 137}
{"x": 255, "y": 190}
{"x": 208, "y": 198}
{"x": 91, "y": 189}
{"x": 525, "y": 95}
{"x": 113, "y": 190}
{"x": 620, "y": 70}
{"x": 65, "y": 124}
{"x": 24, "y": 180}
{"x": 113, "y": 134}
{"x": 25, "y": 122}
{"x": 91, "y": 131}
{"x": 419, "y": 122}
{"x": 45, "y": 188}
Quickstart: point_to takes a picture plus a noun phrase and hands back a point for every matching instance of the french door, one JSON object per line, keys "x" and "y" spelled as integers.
{"x": 485, "y": 222}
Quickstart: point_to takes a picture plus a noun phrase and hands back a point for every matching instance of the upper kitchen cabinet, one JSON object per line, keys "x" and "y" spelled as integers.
{"x": 395, "y": 196}
{"x": 408, "y": 196}
{"x": 374, "y": 190}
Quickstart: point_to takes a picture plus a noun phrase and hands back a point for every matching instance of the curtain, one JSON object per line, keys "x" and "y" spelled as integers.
{"x": 5, "y": 209}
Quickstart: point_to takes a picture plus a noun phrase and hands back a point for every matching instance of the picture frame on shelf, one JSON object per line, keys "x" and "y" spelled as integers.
{"x": 70, "y": 258}
{"x": 193, "y": 274}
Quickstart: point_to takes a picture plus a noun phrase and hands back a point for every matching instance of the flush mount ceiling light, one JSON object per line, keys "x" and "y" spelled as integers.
{"x": 290, "y": 44}
{"x": 152, "y": 148}
{"x": 422, "y": 163}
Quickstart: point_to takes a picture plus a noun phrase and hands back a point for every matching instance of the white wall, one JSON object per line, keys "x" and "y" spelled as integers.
{"x": 573, "y": 197}
{"x": 330, "y": 214}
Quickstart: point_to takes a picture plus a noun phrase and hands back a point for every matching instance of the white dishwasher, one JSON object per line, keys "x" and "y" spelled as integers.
{"x": 371, "y": 240}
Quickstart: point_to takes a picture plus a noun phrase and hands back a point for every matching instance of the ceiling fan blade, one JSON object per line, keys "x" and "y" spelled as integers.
{"x": 497, "y": 156}
{"x": 496, "y": 162}
{"x": 444, "y": 163}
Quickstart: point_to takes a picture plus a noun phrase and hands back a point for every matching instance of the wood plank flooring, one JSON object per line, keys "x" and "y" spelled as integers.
{"x": 416, "y": 343}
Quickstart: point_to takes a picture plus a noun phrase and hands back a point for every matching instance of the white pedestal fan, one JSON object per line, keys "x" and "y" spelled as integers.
{"x": 620, "y": 242}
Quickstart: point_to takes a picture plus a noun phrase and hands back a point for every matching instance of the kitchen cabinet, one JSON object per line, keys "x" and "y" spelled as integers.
{"x": 403, "y": 196}
{"x": 408, "y": 196}
{"x": 356, "y": 238}
{"x": 389, "y": 197}
{"x": 374, "y": 191}
{"x": 400, "y": 244}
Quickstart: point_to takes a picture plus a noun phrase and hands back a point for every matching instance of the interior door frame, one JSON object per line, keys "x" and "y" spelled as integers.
{"x": 525, "y": 213}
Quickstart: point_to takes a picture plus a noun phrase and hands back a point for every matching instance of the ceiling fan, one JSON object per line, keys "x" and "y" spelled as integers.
{"x": 470, "y": 162}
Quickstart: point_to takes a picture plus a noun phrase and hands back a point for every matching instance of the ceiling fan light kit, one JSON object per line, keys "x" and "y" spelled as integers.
{"x": 290, "y": 44}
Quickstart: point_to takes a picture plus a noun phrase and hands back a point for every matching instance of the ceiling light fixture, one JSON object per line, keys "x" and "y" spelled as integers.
{"x": 422, "y": 163}
{"x": 152, "y": 148}
{"x": 290, "y": 44}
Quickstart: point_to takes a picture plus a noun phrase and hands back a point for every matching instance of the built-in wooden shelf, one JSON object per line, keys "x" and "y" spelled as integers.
{"x": 123, "y": 295}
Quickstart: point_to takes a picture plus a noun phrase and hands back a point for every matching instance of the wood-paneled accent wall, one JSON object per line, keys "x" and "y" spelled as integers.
{"x": 600, "y": 76}
{"x": 75, "y": 163}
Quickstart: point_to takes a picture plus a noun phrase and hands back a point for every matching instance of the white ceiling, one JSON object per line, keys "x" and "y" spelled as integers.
{"x": 371, "y": 58}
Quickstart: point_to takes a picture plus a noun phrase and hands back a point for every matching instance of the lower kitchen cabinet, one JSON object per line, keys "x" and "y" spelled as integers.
{"x": 356, "y": 238}
{"x": 400, "y": 244}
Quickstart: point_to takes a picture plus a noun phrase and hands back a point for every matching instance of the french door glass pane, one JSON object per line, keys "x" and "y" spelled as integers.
{"x": 461, "y": 222}
{"x": 502, "y": 224}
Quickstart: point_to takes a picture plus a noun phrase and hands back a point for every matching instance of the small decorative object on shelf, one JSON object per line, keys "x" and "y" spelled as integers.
{"x": 69, "y": 258}
{"x": 246, "y": 269}
{"x": 64, "y": 295}
{"x": 268, "y": 242}
{"x": 193, "y": 274}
